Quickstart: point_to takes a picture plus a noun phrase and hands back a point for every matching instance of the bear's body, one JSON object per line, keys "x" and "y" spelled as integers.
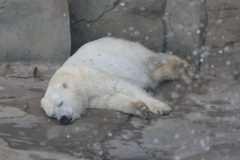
{"x": 111, "y": 73}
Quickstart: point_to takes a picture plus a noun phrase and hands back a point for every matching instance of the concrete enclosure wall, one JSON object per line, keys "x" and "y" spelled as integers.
{"x": 37, "y": 33}
{"x": 34, "y": 36}
{"x": 204, "y": 32}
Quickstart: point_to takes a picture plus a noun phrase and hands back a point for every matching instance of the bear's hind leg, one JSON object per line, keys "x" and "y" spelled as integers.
{"x": 122, "y": 103}
{"x": 172, "y": 70}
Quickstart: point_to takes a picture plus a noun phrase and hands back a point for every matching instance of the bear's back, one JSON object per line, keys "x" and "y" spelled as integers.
{"x": 117, "y": 57}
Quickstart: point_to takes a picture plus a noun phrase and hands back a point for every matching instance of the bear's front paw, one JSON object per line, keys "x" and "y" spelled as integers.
{"x": 140, "y": 109}
{"x": 161, "y": 108}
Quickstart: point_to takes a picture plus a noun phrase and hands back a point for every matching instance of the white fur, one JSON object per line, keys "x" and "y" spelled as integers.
{"x": 123, "y": 59}
{"x": 106, "y": 73}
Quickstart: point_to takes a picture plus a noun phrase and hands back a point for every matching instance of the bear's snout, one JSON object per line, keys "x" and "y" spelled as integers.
{"x": 65, "y": 120}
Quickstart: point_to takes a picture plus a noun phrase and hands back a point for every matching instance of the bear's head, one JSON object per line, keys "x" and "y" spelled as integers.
{"x": 63, "y": 103}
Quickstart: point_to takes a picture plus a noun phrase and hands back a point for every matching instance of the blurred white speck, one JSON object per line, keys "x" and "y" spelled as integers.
{"x": 64, "y": 14}
{"x": 226, "y": 49}
{"x": 175, "y": 95}
{"x": 207, "y": 148}
{"x": 219, "y": 21}
{"x": 109, "y": 134}
{"x": 193, "y": 131}
{"x": 68, "y": 136}
{"x": 156, "y": 140}
{"x": 95, "y": 132}
{"x": 122, "y": 4}
{"x": 136, "y": 33}
{"x": 195, "y": 53}
{"x": 202, "y": 143}
{"x": 197, "y": 76}
{"x": 228, "y": 63}
{"x": 176, "y": 136}
{"x": 177, "y": 158}
{"x": 124, "y": 136}
{"x": 164, "y": 61}
{"x": 170, "y": 34}
{"x": 137, "y": 112}
{"x": 104, "y": 119}
{"x": 124, "y": 31}
{"x": 88, "y": 25}
{"x": 198, "y": 115}
{"x": 198, "y": 31}
{"x": 1, "y": 88}
{"x": 131, "y": 28}
{"x": 178, "y": 86}
{"x": 147, "y": 38}
{"x": 142, "y": 8}
{"x": 118, "y": 115}
{"x": 109, "y": 34}
{"x": 220, "y": 51}
{"x": 42, "y": 143}
{"x": 180, "y": 26}
{"x": 192, "y": 3}
{"x": 201, "y": 60}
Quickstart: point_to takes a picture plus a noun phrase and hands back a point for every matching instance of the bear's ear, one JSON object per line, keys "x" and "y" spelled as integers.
{"x": 43, "y": 101}
{"x": 64, "y": 85}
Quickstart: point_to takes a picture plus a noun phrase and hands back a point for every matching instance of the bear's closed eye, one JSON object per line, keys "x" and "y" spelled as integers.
{"x": 60, "y": 104}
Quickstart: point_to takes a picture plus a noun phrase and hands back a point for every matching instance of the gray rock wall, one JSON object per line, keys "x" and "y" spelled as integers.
{"x": 34, "y": 34}
{"x": 133, "y": 20}
{"x": 204, "y": 32}
{"x": 222, "y": 39}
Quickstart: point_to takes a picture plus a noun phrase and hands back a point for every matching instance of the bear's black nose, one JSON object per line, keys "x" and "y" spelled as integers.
{"x": 65, "y": 120}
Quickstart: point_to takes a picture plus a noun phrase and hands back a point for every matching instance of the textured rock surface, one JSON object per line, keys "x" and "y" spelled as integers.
{"x": 204, "y": 124}
{"x": 206, "y": 32}
{"x": 184, "y": 22}
{"x": 33, "y": 34}
{"x": 222, "y": 57}
{"x": 135, "y": 20}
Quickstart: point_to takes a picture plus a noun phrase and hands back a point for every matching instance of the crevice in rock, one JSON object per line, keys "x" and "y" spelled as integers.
{"x": 203, "y": 31}
{"x": 9, "y": 97}
{"x": 232, "y": 42}
{"x": 164, "y": 19}
{"x": 100, "y": 16}
{"x": 224, "y": 8}
{"x": 73, "y": 22}
{"x": 226, "y": 44}
{"x": 106, "y": 155}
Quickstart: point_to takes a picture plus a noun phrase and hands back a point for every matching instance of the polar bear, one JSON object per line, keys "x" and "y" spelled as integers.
{"x": 111, "y": 73}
